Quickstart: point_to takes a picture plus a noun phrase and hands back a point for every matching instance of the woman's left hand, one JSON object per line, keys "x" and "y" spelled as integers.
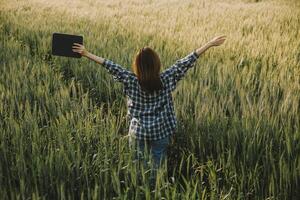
{"x": 218, "y": 40}
{"x": 79, "y": 48}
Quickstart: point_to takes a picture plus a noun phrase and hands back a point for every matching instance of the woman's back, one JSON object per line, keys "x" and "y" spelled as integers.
{"x": 151, "y": 115}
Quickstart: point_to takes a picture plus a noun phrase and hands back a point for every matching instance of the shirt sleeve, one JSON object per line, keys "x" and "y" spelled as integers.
{"x": 175, "y": 73}
{"x": 118, "y": 72}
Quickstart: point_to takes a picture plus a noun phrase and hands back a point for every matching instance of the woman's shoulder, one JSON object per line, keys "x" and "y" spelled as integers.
{"x": 132, "y": 79}
{"x": 166, "y": 83}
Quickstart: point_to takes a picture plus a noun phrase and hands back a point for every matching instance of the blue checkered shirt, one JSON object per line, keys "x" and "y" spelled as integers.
{"x": 151, "y": 116}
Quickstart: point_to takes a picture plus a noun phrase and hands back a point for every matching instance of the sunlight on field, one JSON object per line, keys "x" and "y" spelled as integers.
{"x": 255, "y": 25}
{"x": 62, "y": 121}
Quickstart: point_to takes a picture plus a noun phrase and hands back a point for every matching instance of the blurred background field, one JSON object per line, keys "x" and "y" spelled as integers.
{"x": 62, "y": 120}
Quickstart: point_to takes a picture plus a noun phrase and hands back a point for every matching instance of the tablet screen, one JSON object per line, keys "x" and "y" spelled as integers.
{"x": 62, "y": 44}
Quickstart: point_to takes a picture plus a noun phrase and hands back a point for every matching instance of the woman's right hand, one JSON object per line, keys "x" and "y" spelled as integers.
{"x": 216, "y": 41}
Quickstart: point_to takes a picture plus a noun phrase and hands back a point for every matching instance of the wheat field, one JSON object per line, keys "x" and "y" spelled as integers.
{"x": 63, "y": 126}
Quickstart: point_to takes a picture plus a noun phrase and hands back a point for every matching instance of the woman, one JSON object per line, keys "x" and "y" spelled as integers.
{"x": 149, "y": 100}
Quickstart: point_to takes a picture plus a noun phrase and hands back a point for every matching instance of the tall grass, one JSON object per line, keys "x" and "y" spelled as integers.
{"x": 63, "y": 121}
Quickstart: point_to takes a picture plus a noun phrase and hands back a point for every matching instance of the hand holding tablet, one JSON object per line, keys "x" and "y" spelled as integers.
{"x": 79, "y": 48}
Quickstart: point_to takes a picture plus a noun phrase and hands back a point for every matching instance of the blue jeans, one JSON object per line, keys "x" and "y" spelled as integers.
{"x": 156, "y": 149}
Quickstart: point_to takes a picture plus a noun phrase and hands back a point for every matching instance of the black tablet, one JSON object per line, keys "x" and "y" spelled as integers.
{"x": 62, "y": 44}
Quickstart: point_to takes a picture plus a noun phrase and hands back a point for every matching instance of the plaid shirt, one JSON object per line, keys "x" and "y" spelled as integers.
{"x": 151, "y": 116}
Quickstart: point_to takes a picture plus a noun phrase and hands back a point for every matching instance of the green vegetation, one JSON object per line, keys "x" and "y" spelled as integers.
{"x": 62, "y": 121}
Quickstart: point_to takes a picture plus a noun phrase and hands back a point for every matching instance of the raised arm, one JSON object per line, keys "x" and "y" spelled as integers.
{"x": 175, "y": 73}
{"x": 118, "y": 72}
{"x": 214, "y": 42}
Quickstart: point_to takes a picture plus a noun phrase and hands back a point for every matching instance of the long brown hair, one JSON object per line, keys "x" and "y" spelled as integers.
{"x": 146, "y": 67}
